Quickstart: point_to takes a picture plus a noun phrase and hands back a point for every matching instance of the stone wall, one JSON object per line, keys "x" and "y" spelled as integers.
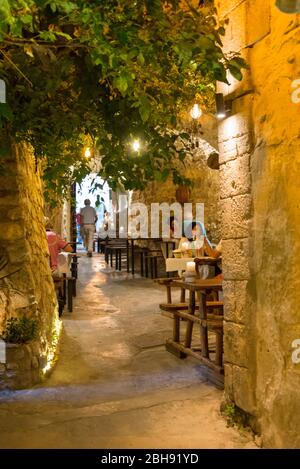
{"x": 260, "y": 170}
{"x": 26, "y": 286}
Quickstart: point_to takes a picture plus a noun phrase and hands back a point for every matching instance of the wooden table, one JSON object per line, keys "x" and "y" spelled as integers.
{"x": 214, "y": 321}
{"x": 177, "y": 264}
{"x": 68, "y": 268}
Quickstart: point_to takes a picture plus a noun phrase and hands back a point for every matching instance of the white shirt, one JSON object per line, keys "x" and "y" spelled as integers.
{"x": 88, "y": 213}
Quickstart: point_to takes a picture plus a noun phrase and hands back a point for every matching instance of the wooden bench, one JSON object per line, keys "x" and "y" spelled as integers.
{"x": 208, "y": 314}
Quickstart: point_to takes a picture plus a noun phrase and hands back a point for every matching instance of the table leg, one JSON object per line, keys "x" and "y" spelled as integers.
{"x": 167, "y": 255}
{"x": 203, "y": 329}
{"x": 127, "y": 255}
{"x": 190, "y": 324}
{"x": 119, "y": 259}
{"x": 70, "y": 295}
{"x": 219, "y": 348}
{"x": 176, "y": 328}
{"x": 169, "y": 294}
{"x": 142, "y": 263}
{"x": 132, "y": 257}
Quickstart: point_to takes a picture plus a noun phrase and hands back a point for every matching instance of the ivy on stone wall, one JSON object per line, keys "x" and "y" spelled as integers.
{"x": 107, "y": 72}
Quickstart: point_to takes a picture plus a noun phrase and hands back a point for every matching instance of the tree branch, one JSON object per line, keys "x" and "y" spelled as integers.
{"x": 16, "y": 67}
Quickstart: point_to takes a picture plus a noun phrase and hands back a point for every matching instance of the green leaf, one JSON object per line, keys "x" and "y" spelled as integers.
{"x": 164, "y": 175}
{"x": 61, "y": 34}
{"x": 27, "y": 19}
{"x": 47, "y": 36}
{"x": 237, "y": 74}
{"x": 68, "y": 7}
{"x": 5, "y": 111}
{"x": 145, "y": 108}
{"x": 53, "y": 7}
{"x": 16, "y": 27}
{"x": 123, "y": 38}
{"x": 121, "y": 83}
{"x": 141, "y": 59}
{"x": 5, "y": 9}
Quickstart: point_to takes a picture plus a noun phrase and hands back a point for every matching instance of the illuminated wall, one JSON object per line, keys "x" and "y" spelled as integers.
{"x": 260, "y": 199}
{"x": 26, "y": 286}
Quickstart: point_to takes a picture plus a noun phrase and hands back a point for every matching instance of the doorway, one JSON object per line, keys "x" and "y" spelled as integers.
{"x": 100, "y": 195}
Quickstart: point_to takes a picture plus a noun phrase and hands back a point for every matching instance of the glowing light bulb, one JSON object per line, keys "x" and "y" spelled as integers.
{"x": 196, "y": 112}
{"x": 87, "y": 153}
{"x": 136, "y": 145}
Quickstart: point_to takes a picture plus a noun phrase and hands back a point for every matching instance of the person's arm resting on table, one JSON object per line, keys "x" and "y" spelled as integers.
{"x": 215, "y": 253}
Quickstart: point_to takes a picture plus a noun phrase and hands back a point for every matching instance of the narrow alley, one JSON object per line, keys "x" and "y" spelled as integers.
{"x": 114, "y": 384}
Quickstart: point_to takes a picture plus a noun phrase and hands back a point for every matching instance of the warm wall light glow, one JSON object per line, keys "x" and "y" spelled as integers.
{"x": 136, "y": 145}
{"x": 221, "y": 115}
{"x": 87, "y": 153}
{"x": 196, "y": 112}
{"x": 233, "y": 126}
{"x": 56, "y": 331}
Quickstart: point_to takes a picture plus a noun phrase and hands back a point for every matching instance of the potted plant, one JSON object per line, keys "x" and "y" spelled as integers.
{"x": 183, "y": 189}
{"x": 183, "y": 194}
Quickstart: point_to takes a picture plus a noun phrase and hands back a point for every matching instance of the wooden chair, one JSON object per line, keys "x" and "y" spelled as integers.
{"x": 152, "y": 256}
{"x": 60, "y": 293}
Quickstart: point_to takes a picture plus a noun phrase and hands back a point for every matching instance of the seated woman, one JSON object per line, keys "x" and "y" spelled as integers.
{"x": 55, "y": 245}
{"x": 195, "y": 232}
{"x": 193, "y": 239}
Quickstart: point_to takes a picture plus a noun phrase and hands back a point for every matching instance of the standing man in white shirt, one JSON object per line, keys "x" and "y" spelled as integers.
{"x": 88, "y": 222}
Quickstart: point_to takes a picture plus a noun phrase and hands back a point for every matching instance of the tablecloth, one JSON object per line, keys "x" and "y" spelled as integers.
{"x": 64, "y": 263}
{"x": 173, "y": 264}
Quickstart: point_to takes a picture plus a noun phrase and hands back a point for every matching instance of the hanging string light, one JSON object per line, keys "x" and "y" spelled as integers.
{"x": 87, "y": 152}
{"x": 196, "y": 112}
{"x": 136, "y": 145}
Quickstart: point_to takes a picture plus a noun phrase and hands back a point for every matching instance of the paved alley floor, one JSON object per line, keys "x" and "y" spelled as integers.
{"x": 115, "y": 385}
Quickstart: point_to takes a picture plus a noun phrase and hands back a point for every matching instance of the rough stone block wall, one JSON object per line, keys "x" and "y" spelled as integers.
{"x": 26, "y": 286}
{"x": 260, "y": 169}
{"x": 236, "y": 208}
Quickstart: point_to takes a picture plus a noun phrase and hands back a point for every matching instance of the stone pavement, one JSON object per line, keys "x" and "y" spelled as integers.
{"x": 114, "y": 385}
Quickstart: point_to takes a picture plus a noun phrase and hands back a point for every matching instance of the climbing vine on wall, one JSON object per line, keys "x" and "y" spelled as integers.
{"x": 107, "y": 72}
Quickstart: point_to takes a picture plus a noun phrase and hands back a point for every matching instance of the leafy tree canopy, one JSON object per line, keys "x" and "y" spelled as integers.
{"x": 106, "y": 72}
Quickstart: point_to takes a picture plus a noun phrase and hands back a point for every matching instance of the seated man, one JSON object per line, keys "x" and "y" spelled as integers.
{"x": 55, "y": 244}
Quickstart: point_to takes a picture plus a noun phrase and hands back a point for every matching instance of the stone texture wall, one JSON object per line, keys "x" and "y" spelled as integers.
{"x": 26, "y": 286}
{"x": 260, "y": 169}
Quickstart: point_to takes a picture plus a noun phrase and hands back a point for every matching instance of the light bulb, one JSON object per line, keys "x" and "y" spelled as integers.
{"x": 87, "y": 153}
{"x": 196, "y": 112}
{"x": 136, "y": 145}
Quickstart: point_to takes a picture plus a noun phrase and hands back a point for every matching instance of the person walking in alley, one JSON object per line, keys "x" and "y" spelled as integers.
{"x": 88, "y": 222}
